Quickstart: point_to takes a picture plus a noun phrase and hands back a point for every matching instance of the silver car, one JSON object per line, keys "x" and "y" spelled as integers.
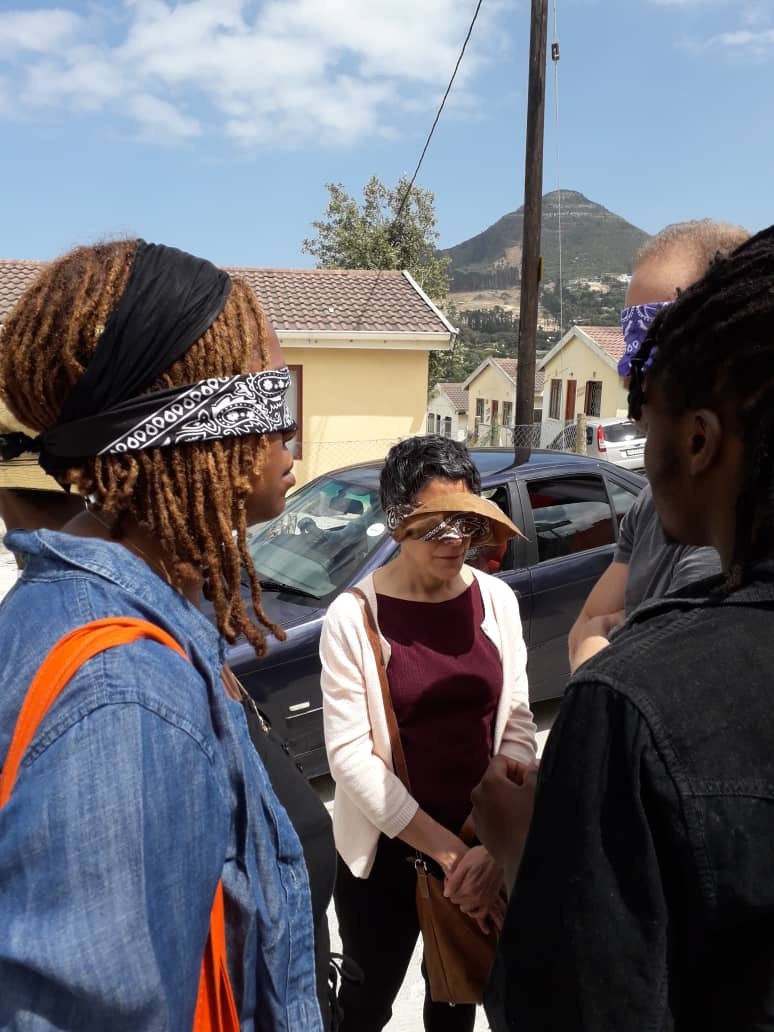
{"x": 614, "y": 439}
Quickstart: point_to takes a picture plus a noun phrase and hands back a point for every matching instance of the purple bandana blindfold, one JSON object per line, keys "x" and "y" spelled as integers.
{"x": 635, "y": 323}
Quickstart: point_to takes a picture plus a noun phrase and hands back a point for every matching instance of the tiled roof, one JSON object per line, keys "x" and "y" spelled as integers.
{"x": 456, "y": 395}
{"x": 509, "y": 366}
{"x": 609, "y": 338}
{"x": 314, "y": 300}
{"x": 342, "y": 300}
{"x": 15, "y": 277}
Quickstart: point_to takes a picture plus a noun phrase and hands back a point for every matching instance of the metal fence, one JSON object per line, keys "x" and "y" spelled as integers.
{"x": 323, "y": 456}
{"x": 554, "y": 434}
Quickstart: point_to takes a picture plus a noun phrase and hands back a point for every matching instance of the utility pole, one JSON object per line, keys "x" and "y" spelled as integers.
{"x": 533, "y": 209}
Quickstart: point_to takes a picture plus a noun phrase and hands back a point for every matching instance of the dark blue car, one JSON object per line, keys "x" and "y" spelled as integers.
{"x": 333, "y": 532}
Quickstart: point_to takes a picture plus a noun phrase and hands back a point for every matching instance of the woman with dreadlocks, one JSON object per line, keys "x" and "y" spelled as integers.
{"x": 140, "y": 840}
{"x": 645, "y": 895}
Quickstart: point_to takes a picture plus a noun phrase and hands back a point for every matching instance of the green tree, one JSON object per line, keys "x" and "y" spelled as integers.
{"x": 378, "y": 233}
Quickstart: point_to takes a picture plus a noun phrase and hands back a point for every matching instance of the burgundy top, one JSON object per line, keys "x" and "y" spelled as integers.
{"x": 445, "y": 681}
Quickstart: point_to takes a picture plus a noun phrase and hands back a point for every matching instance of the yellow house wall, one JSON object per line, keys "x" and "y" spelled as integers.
{"x": 576, "y": 361}
{"x": 356, "y": 403}
{"x": 491, "y": 385}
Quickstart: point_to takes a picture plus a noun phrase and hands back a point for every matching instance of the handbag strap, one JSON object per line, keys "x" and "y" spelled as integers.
{"x": 467, "y": 834}
{"x": 215, "y": 1007}
{"x": 398, "y": 756}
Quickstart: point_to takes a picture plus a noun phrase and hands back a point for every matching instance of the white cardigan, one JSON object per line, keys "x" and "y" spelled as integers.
{"x": 369, "y": 797}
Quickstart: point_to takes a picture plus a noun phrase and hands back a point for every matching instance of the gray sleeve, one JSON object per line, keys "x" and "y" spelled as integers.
{"x": 691, "y": 565}
{"x": 628, "y": 532}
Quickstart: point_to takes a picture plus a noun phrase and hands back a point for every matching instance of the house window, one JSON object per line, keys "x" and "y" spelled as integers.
{"x": 479, "y": 408}
{"x": 295, "y": 404}
{"x": 507, "y": 413}
{"x": 555, "y": 400}
{"x": 430, "y": 422}
{"x": 447, "y": 426}
{"x": 593, "y": 402}
{"x": 437, "y": 424}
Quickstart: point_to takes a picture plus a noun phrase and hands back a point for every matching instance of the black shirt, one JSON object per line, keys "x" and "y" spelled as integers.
{"x": 645, "y": 898}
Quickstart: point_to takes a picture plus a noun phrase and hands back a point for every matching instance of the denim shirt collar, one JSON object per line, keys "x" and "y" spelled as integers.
{"x": 50, "y": 554}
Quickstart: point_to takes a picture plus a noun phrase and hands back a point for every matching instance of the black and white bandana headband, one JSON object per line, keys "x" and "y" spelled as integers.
{"x": 227, "y": 406}
{"x": 170, "y": 299}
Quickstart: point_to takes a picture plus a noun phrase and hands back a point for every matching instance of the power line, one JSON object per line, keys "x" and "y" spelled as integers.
{"x": 438, "y": 115}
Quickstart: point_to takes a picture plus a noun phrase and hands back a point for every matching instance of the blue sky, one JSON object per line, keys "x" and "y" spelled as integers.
{"x": 214, "y": 124}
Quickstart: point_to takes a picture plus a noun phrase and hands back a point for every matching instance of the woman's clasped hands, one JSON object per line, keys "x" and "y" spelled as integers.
{"x": 476, "y": 884}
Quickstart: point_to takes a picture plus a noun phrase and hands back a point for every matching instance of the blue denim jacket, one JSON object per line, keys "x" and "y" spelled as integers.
{"x": 141, "y": 789}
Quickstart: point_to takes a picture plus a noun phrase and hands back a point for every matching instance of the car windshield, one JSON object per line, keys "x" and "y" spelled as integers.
{"x": 321, "y": 539}
{"x": 617, "y": 432}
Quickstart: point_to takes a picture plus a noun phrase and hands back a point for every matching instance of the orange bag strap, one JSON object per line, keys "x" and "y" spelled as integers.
{"x": 215, "y": 1007}
{"x": 63, "y": 661}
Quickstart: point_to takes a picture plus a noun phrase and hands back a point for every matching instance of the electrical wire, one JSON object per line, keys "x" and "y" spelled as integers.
{"x": 395, "y": 225}
{"x": 555, "y": 55}
{"x": 438, "y": 115}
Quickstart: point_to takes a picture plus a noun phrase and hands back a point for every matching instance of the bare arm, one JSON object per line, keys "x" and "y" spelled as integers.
{"x": 602, "y": 610}
{"x": 432, "y": 839}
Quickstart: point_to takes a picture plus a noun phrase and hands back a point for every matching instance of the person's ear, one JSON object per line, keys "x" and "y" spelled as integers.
{"x": 706, "y": 438}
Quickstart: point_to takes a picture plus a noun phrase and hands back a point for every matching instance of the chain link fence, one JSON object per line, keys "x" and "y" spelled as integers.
{"x": 322, "y": 456}
{"x": 554, "y": 434}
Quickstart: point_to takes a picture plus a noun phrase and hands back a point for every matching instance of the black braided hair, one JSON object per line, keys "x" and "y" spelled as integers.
{"x": 715, "y": 343}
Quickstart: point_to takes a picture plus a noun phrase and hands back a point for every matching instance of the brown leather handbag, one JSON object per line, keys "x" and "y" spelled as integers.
{"x": 458, "y": 955}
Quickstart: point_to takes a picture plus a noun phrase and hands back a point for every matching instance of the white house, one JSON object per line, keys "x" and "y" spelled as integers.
{"x": 447, "y": 411}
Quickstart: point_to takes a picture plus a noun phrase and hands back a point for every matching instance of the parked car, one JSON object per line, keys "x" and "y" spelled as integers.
{"x": 334, "y": 531}
{"x": 615, "y": 440}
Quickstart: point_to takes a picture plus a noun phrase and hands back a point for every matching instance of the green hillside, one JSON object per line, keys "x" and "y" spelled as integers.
{"x": 595, "y": 243}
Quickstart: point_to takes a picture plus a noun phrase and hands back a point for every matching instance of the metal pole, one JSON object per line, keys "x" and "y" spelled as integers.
{"x": 533, "y": 208}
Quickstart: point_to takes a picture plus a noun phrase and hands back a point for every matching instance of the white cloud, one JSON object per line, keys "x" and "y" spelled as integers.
{"x": 159, "y": 119}
{"x": 695, "y": 3}
{"x": 39, "y": 31}
{"x": 278, "y": 72}
{"x": 743, "y": 42}
{"x": 742, "y": 39}
{"x": 753, "y": 36}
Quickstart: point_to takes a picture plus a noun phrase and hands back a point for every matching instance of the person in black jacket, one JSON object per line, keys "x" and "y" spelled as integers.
{"x": 645, "y": 894}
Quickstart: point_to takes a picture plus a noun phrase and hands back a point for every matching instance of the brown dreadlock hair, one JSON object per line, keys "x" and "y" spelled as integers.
{"x": 190, "y": 496}
{"x": 715, "y": 345}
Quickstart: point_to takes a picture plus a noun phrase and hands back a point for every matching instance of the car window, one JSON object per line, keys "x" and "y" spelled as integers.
{"x": 494, "y": 558}
{"x": 622, "y": 498}
{"x": 321, "y": 539}
{"x": 615, "y": 433}
{"x": 571, "y": 514}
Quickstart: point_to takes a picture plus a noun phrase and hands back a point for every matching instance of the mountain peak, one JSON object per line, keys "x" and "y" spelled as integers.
{"x": 595, "y": 242}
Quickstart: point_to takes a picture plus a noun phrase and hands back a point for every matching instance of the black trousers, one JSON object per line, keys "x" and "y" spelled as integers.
{"x": 379, "y": 929}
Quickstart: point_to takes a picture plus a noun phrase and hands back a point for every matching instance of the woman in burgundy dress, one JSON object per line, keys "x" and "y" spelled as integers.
{"x": 451, "y": 640}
